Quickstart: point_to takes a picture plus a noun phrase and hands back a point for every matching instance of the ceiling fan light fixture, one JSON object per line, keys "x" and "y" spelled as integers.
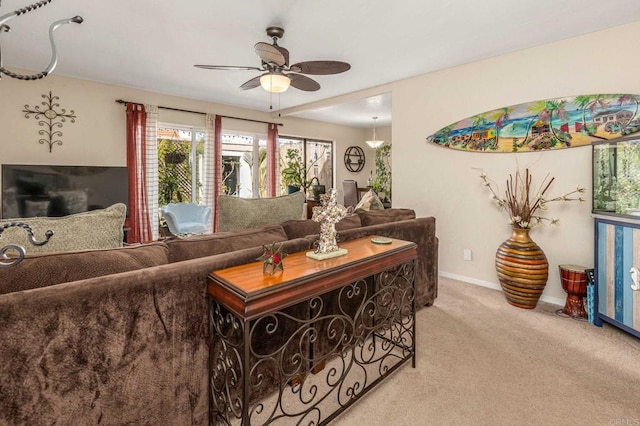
{"x": 374, "y": 143}
{"x": 275, "y": 82}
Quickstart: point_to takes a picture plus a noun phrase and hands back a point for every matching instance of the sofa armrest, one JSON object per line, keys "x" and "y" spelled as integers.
{"x": 421, "y": 231}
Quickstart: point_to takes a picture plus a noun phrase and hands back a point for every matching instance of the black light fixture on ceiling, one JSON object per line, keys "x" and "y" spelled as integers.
{"x": 54, "y": 26}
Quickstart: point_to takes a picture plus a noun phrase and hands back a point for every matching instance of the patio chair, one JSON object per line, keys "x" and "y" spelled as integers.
{"x": 187, "y": 218}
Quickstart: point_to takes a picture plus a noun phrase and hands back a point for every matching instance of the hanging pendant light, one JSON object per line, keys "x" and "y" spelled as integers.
{"x": 374, "y": 143}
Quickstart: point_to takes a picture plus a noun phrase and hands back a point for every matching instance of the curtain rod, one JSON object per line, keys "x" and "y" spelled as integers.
{"x": 120, "y": 101}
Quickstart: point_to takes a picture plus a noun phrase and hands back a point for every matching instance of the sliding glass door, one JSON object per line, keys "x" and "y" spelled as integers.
{"x": 317, "y": 157}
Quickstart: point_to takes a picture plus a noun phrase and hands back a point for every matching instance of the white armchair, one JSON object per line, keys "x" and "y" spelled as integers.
{"x": 187, "y": 218}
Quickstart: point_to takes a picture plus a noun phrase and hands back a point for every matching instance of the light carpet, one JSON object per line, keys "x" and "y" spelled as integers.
{"x": 481, "y": 361}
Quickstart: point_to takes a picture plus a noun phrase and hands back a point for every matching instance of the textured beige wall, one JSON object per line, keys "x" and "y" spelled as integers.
{"x": 443, "y": 182}
{"x": 98, "y": 135}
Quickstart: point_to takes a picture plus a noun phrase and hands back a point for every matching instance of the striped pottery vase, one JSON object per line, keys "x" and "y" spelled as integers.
{"x": 522, "y": 269}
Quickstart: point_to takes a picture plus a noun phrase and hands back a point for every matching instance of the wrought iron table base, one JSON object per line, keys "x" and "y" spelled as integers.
{"x": 363, "y": 337}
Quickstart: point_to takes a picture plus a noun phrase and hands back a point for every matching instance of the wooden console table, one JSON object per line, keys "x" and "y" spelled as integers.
{"x": 271, "y": 335}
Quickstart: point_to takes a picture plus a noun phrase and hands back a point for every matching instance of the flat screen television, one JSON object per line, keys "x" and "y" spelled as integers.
{"x": 38, "y": 190}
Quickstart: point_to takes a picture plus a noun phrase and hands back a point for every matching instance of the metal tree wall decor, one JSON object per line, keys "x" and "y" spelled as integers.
{"x": 48, "y": 116}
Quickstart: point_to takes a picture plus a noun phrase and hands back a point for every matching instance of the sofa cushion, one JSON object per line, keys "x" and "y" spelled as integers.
{"x": 92, "y": 230}
{"x": 421, "y": 231}
{"x": 302, "y": 228}
{"x": 242, "y": 213}
{"x": 375, "y": 217}
{"x": 45, "y": 269}
{"x": 191, "y": 247}
{"x": 349, "y": 222}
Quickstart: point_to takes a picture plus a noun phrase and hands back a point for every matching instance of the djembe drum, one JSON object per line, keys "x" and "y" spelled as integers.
{"x": 574, "y": 282}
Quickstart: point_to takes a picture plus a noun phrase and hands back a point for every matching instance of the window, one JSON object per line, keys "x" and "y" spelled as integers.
{"x": 317, "y": 157}
{"x": 244, "y": 165}
{"x": 180, "y": 165}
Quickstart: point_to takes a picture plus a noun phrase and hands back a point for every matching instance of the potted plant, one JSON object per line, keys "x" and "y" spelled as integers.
{"x": 294, "y": 175}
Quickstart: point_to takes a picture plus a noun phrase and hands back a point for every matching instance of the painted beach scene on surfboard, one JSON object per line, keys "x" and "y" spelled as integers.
{"x": 544, "y": 125}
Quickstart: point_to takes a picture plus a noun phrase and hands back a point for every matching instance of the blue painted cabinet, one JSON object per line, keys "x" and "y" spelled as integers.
{"x": 617, "y": 254}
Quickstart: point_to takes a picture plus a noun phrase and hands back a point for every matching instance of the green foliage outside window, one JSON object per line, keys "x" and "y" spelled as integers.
{"x": 382, "y": 182}
{"x": 175, "y": 171}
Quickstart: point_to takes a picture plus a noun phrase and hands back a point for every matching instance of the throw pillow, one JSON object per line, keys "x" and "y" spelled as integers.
{"x": 370, "y": 201}
{"x": 92, "y": 230}
{"x": 242, "y": 213}
{"x": 45, "y": 269}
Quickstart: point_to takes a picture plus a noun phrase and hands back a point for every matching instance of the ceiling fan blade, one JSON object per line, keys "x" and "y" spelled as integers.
{"x": 320, "y": 67}
{"x": 302, "y": 82}
{"x": 251, "y": 84}
{"x": 285, "y": 54}
{"x": 269, "y": 53}
{"x": 227, "y": 67}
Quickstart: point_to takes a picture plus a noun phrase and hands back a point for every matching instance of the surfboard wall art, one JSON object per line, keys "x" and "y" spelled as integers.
{"x": 542, "y": 125}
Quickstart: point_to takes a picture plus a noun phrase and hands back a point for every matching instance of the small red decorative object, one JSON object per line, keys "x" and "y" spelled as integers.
{"x": 272, "y": 258}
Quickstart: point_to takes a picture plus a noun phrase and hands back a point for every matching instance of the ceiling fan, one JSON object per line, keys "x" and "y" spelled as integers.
{"x": 278, "y": 75}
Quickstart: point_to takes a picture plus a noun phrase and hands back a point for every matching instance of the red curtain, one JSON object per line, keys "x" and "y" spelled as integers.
{"x": 138, "y": 221}
{"x": 217, "y": 169}
{"x": 272, "y": 159}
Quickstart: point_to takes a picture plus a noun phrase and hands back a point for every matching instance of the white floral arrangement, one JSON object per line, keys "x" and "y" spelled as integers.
{"x": 521, "y": 206}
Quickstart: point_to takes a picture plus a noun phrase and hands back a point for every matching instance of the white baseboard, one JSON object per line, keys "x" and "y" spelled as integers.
{"x": 495, "y": 286}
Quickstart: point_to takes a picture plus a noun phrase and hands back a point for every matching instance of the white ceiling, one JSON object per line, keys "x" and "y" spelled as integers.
{"x": 153, "y": 45}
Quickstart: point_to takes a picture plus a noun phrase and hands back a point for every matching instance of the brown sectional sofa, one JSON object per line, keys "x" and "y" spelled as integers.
{"x": 120, "y": 336}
